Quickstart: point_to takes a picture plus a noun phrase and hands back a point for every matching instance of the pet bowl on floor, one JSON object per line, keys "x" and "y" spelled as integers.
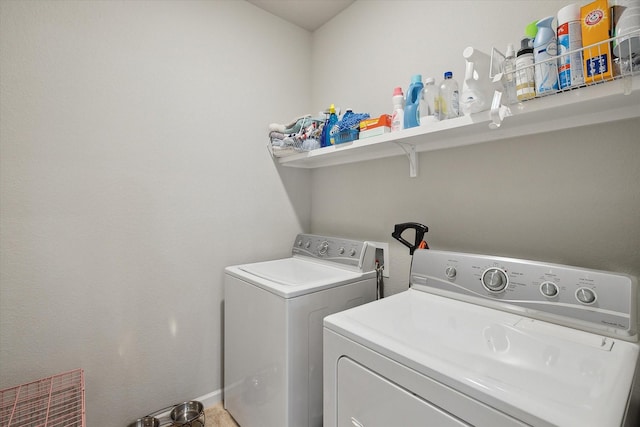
{"x": 189, "y": 414}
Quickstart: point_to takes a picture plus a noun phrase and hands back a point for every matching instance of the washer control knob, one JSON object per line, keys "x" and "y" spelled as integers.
{"x": 300, "y": 242}
{"x": 495, "y": 279}
{"x": 549, "y": 289}
{"x": 308, "y": 244}
{"x": 586, "y": 296}
{"x": 341, "y": 251}
{"x": 352, "y": 252}
{"x": 323, "y": 248}
{"x": 450, "y": 272}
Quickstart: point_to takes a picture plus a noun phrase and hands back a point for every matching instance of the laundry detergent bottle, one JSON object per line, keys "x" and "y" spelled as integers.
{"x": 397, "y": 119}
{"x": 412, "y": 102}
{"x": 545, "y": 48}
{"x": 332, "y": 127}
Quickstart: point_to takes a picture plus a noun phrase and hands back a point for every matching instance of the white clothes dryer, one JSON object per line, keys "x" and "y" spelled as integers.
{"x": 273, "y": 313}
{"x": 486, "y": 341}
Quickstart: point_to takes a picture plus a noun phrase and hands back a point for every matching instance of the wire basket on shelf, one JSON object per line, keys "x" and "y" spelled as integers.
{"x": 613, "y": 59}
{"x": 347, "y": 135}
{"x": 53, "y": 401}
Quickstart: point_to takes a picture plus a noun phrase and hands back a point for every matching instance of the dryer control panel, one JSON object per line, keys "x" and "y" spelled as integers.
{"x": 352, "y": 253}
{"x": 591, "y": 300}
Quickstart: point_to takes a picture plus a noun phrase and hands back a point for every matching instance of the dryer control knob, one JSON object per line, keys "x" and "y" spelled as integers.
{"x": 549, "y": 289}
{"x": 323, "y": 248}
{"x": 495, "y": 279}
{"x": 341, "y": 251}
{"x": 352, "y": 252}
{"x": 450, "y": 272}
{"x": 586, "y": 296}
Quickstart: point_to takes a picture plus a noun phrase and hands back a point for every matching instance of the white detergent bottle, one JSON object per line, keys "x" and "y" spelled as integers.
{"x": 397, "y": 118}
{"x": 545, "y": 48}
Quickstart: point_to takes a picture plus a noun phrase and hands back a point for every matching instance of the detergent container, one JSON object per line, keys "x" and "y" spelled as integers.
{"x": 477, "y": 88}
{"x": 569, "y": 40}
{"x": 412, "y": 102}
{"x": 626, "y": 46}
{"x": 331, "y": 127}
{"x": 397, "y": 118}
{"x": 544, "y": 50}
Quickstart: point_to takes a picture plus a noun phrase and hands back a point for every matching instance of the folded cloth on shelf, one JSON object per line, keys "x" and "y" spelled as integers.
{"x": 292, "y": 127}
{"x": 277, "y": 135}
{"x": 304, "y": 136}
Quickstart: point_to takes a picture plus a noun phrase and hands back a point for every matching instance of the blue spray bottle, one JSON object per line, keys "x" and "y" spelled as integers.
{"x": 545, "y": 47}
{"x": 412, "y": 103}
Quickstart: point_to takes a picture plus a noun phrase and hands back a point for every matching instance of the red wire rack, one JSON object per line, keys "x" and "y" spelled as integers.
{"x": 48, "y": 402}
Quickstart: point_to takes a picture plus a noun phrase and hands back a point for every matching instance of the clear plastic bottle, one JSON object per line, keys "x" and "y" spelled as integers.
{"x": 448, "y": 101}
{"x": 397, "y": 118}
{"x": 509, "y": 70}
{"x": 427, "y": 102}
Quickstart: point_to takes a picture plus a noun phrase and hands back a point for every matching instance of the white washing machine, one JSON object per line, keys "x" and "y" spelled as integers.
{"x": 486, "y": 341}
{"x": 273, "y": 314}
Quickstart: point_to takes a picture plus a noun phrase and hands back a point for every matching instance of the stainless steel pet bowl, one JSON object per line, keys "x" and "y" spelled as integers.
{"x": 188, "y": 414}
{"x": 146, "y": 422}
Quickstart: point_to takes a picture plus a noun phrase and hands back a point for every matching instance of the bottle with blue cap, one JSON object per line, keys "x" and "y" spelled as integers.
{"x": 412, "y": 102}
{"x": 448, "y": 99}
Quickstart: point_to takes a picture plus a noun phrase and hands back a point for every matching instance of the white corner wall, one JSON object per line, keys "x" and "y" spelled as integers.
{"x": 570, "y": 197}
{"x": 133, "y": 169}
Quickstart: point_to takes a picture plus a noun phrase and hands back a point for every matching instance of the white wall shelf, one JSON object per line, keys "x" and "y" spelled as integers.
{"x": 604, "y": 102}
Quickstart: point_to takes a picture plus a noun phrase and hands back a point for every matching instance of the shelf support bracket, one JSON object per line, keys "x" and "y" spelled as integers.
{"x": 498, "y": 111}
{"x": 412, "y": 156}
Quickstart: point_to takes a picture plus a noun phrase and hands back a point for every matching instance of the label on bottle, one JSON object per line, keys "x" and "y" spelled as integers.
{"x": 455, "y": 105}
{"x": 570, "y": 65}
{"x": 525, "y": 83}
{"x": 546, "y": 72}
{"x": 397, "y": 120}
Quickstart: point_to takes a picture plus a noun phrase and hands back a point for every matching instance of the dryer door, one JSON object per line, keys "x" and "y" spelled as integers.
{"x": 366, "y": 399}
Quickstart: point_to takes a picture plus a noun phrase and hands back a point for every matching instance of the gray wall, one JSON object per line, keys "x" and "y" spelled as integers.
{"x": 570, "y": 197}
{"x": 133, "y": 169}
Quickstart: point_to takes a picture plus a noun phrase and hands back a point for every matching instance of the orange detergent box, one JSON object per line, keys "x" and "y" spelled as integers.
{"x": 596, "y": 23}
{"x": 383, "y": 120}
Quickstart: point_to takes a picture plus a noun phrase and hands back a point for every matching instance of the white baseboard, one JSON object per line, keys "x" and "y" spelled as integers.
{"x": 210, "y": 399}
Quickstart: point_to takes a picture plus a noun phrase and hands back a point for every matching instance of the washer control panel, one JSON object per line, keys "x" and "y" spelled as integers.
{"x": 342, "y": 251}
{"x": 587, "y": 299}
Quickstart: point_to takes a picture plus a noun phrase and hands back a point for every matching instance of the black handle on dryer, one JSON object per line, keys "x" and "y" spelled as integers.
{"x": 420, "y": 230}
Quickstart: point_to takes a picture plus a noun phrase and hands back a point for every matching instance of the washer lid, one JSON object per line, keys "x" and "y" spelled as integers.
{"x": 537, "y": 372}
{"x": 291, "y": 277}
